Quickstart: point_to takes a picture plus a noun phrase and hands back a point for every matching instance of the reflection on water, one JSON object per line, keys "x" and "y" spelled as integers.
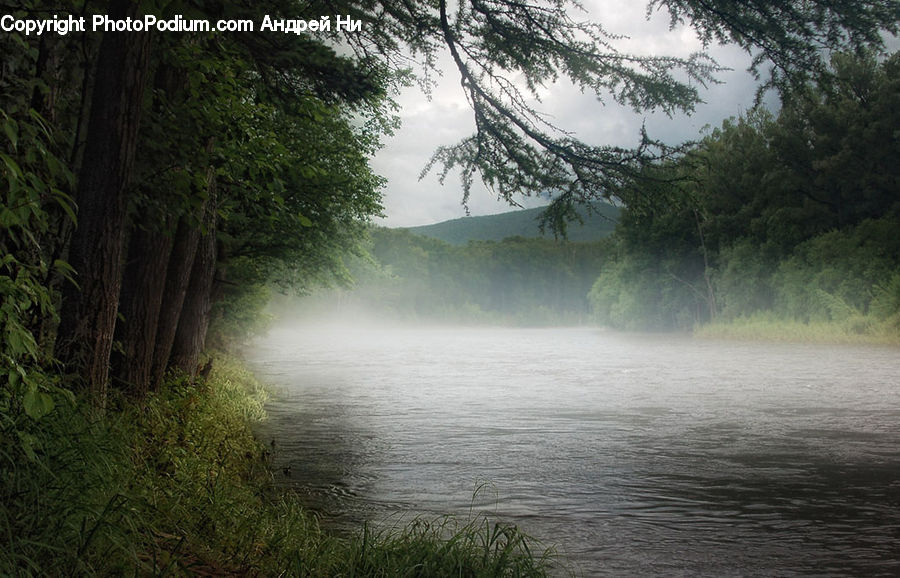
{"x": 634, "y": 455}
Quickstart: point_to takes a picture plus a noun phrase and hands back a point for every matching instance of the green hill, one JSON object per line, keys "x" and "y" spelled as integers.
{"x": 521, "y": 223}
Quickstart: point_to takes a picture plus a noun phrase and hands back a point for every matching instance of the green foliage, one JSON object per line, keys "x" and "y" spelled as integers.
{"x": 445, "y": 547}
{"x": 795, "y": 214}
{"x": 837, "y": 138}
{"x": 767, "y": 326}
{"x": 834, "y": 275}
{"x": 637, "y": 292}
{"x": 744, "y": 281}
{"x": 32, "y": 188}
{"x": 296, "y": 197}
{"x": 239, "y": 314}
{"x": 102, "y": 497}
{"x": 789, "y": 35}
{"x": 886, "y": 304}
{"x": 294, "y": 200}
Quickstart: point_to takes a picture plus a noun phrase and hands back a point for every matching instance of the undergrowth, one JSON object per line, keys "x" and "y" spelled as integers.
{"x": 856, "y": 329}
{"x": 179, "y": 486}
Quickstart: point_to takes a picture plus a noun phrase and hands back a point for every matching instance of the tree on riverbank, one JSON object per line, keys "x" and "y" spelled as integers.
{"x": 792, "y": 216}
{"x": 189, "y": 151}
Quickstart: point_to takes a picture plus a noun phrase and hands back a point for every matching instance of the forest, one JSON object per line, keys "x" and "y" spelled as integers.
{"x": 786, "y": 218}
{"x": 410, "y": 278}
{"x": 157, "y": 185}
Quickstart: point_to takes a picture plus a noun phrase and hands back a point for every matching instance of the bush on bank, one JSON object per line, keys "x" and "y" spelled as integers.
{"x": 181, "y": 487}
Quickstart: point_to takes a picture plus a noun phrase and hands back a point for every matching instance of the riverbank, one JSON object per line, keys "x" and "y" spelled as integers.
{"x": 859, "y": 330}
{"x": 181, "y": 487}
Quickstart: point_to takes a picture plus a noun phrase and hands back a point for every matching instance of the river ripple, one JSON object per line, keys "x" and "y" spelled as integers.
{"x": 632, "y": 454}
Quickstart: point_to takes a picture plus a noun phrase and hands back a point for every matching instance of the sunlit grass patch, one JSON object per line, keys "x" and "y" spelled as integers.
{"x": 856, "y": 329}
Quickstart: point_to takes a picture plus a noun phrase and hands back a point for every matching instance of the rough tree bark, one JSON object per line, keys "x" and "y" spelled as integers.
{"x": 142, "y": 300}
{"x": 190, "y": 337}
{"x": 178, "y": 275}
{"x": 140, "y": 303}
{"x": 88, "y": 311}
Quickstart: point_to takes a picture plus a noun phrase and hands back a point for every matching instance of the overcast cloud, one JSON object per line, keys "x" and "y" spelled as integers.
{"x": 446, "y": 119}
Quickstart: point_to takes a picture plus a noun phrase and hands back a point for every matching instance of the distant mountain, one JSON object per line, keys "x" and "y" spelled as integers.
{"x": 521, "y": 223}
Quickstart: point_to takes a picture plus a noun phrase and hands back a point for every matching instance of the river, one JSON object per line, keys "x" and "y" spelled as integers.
{"x": 651, "y": 455}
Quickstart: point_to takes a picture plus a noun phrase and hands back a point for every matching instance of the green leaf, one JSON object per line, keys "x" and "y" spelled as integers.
{"x": 28, "y": 442}
{"x": 68, "y": 394}
{"x": 65, "y": 202}
{"x": 8, "y": 218}
{"x": 14, "y": 379}
{"x": 37, "y": 403}
{"x": 12, "y": 132}
{"x": 13, "y": 166}
{"x": 14, "y": 342}
{"x": 66, "y": 270}
{"x": 304, "y": 220}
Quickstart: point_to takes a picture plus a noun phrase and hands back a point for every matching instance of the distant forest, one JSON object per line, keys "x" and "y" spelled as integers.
{"x": 407, "y": 277}
{"x": 787, "y": 217}
{"x": 590, "y": 225}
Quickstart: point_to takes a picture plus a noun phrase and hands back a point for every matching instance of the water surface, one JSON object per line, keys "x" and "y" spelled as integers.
{"x": 632, "y": 454}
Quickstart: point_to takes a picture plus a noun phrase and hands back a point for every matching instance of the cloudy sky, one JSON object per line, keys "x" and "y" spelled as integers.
{"x": 446, "y": 118}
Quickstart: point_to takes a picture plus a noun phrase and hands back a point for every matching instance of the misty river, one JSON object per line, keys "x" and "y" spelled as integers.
{"x": 631, "y": 454}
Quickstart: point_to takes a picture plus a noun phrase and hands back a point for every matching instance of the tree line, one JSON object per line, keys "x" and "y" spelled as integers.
{"x": 793, "y": 214}
{"x": 521, "y": 281}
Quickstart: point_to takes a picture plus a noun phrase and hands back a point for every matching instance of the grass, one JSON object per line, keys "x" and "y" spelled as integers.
{"x": 856, "y": 329}
{"x": 179, "y": 486}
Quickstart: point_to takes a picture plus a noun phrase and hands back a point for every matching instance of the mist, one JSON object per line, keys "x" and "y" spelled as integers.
{"x": 709, "y": 389}
{"x": 650, "y": 454}
{"x": 566, "y": 389}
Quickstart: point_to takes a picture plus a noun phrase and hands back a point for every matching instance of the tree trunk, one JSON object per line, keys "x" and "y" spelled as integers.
{"x": 88, "y": 312}
{"x": 140, "y": 303}
{"x": 707, "y": 272}
{"x": 178, "y": 275}
{"x": 190, "y": 337}
{"x": 145, "y": 279}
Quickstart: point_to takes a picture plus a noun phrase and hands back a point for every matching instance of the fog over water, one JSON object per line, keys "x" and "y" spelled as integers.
{"x": 632, "y": 454}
